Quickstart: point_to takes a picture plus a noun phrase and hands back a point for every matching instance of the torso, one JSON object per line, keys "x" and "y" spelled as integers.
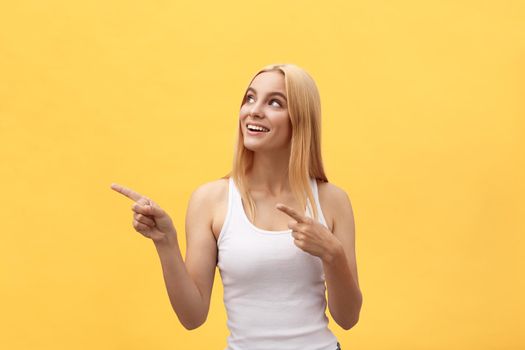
{"x": 266, "y": 219}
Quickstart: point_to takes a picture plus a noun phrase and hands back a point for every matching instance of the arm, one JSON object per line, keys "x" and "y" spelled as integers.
{"x": 344, "y": 295}
{"x": 189, "y": 284}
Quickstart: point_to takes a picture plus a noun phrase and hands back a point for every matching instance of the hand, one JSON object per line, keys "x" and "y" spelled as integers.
{"x": 309, "y": 235}
{"x": 149, "y": 219}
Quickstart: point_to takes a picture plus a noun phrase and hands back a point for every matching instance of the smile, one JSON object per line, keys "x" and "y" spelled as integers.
{"x": 256, "y": 131}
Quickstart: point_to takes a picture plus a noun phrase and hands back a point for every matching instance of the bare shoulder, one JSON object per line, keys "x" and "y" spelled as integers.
{"x": 214, "y": 195}
{"x": 212, "y": 188}
{"x": 329, "y": 190}
{"x": 334, "y": 201}
{"x": 210, "y": 193}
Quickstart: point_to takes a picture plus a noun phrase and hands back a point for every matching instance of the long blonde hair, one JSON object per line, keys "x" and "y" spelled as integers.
{"x": 304, "y": 109}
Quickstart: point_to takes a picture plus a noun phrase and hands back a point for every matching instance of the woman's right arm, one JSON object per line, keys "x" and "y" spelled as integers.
{"x": 189, "y": 284}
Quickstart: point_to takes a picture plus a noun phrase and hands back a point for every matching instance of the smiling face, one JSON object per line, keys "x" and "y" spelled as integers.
{"x": 265, "y": 104}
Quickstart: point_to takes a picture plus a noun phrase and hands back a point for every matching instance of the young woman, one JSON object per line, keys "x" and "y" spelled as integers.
{"x": 274, "y": 249}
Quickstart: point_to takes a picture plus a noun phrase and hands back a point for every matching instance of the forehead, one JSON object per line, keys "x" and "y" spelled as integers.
{"x": 269, "y": 81}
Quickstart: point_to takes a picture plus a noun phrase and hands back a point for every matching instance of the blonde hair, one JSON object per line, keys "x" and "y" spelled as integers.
{"x": 304, "y": 109}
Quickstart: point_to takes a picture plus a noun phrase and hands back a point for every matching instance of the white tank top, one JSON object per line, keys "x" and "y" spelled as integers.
{"x": 274, "y": 292}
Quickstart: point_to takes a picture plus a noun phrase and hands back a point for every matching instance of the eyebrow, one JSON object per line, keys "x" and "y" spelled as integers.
{"x": 270, "y": 94}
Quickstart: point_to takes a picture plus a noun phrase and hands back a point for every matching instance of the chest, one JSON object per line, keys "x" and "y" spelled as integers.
{"x": 268, "y": 217}
{"x": 267, "y": 266}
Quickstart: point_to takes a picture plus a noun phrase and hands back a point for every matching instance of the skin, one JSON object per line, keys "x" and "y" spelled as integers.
{"x": 272, "y": 149}
{"x": 189, "y": 283}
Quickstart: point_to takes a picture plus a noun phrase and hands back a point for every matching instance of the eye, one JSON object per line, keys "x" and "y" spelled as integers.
{"x": 248, "y": 97}
{"x": 279, "y": 102}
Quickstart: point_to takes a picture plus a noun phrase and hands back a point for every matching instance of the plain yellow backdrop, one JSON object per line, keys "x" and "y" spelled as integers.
{"x": 423, "y": 125}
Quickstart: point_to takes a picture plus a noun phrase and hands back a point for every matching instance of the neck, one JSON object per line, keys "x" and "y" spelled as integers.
{"x": 269, "y": 173}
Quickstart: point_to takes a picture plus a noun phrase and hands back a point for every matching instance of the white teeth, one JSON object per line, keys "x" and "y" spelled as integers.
{"x": 255, "y": 127}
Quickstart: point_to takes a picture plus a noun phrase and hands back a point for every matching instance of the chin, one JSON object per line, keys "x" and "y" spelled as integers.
{"x": 255, "y": 148}
{"x": 251, "y": 148}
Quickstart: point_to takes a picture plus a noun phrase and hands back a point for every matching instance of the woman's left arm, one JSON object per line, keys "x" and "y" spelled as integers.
{"x": 339, "y": 263}
{"x": 336, "y": 250}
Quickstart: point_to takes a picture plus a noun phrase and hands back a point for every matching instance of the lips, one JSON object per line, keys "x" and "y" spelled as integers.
{"x": 257, "y": 124}
{"x": 255, "y": 133}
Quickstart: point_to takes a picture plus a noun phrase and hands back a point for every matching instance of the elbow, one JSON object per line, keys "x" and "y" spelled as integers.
{"x": 190, "y": 317}
{"x": 347, "y": 325}
{"x": 353, "y": 321}
{"x": 192, "y": 325}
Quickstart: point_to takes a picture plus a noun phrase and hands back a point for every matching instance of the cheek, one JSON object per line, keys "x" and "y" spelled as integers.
{"x": 243, "y": 113}
{"x": 284, "y": 122}
{"x": 287, "y": 125}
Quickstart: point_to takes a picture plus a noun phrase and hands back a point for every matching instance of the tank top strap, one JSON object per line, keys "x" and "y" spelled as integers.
{"x": 229, "y": 213}
{"x": 315, "y": 190}
{"x": 236, "y": 199}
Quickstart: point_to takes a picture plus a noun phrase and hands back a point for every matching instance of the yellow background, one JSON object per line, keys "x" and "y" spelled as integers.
{"x": 423, "y": 126}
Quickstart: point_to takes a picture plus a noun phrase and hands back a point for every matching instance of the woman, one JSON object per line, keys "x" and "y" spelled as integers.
{"x": 274, "y": 250}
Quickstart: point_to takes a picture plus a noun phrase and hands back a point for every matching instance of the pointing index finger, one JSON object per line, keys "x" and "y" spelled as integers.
{"x": 126, "y": 192}
{"x": 291, "y": 212}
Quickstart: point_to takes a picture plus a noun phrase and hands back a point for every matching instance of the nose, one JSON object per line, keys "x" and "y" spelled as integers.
{"x": 255, "y": 110}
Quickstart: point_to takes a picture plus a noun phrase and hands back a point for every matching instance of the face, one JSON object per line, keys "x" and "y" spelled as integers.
{"x": 265, "y": 104}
